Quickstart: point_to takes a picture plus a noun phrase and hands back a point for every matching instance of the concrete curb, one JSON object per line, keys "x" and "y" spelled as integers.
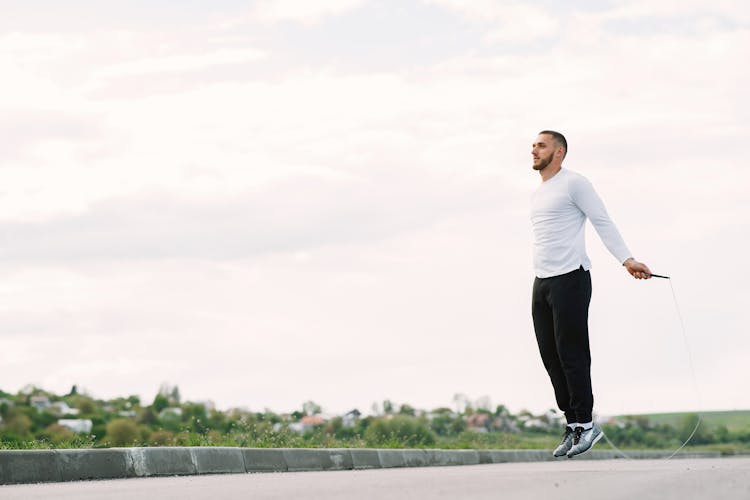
{"x": 39, "y": 466}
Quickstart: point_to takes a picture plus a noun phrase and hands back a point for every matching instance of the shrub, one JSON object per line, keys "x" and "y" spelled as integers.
{"x": 161, "y": 438}
{"x": 446, "y": 424}
{"x": 56, "y": 434}
{"x": 399, "y": 431}
{"x": 19, "y": 424}
{"x": 122, "y": 432}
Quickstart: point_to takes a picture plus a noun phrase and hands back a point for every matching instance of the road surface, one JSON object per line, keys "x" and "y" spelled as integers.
{"x": 715, "y": 479}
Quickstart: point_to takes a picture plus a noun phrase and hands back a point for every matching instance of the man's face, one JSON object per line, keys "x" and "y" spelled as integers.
{"x": 543, "y": 151}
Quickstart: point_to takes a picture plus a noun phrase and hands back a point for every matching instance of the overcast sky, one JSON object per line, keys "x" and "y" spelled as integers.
{"x": 275, "y": 201}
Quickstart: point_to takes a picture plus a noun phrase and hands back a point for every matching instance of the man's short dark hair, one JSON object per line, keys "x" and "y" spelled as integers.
{"x": 558, "y": 138}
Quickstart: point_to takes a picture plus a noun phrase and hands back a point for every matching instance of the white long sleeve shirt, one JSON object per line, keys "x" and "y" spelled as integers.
{"x": 559, "y": 208}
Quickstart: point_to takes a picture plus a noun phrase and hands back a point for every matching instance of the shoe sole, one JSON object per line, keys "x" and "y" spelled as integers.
{"x": 596, "y": 440}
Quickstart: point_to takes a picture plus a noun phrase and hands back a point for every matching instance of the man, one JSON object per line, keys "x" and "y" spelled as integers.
{"x": 562, "y": 288}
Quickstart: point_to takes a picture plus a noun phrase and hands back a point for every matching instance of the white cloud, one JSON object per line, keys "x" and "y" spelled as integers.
{"x": 511, "y": 22}
{"x": 181, "y": 62}
{"x": 307, "y": 12}
{"x": 733, "y": 10}
{"x": 21, "y": 48}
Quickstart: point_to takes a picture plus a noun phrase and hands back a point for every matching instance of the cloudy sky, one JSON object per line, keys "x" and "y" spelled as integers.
{"x": 274, "y": 201}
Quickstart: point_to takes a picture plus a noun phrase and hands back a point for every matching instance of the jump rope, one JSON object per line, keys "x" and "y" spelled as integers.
{"x": 692, "y": 373}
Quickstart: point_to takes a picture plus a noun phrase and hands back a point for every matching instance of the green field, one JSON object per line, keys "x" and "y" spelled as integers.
{"x": 734, "y": 420}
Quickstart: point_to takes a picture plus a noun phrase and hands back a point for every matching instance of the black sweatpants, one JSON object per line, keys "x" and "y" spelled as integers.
{"x": 560, "y": 309}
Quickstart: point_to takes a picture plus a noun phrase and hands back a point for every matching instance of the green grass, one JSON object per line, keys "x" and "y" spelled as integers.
{"x": 498, "y": 441}
{"x": 79, "y": 442}
{"x": 261, "y": 436}
{"x": 734, "y": 420}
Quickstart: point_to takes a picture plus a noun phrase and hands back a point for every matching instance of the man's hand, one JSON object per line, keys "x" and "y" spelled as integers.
{"x": 638, "y": 270}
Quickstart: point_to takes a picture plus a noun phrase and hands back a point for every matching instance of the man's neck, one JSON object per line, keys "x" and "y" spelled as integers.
{"x": 549, "y": 172}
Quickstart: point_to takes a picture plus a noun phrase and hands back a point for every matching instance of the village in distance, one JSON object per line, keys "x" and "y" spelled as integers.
{"x": 34, "y": 418}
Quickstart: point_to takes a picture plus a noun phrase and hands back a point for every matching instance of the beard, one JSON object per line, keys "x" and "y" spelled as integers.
{"x": 543, "y": 162}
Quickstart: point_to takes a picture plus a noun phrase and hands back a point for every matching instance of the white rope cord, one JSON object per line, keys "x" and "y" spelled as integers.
{"x": 692, "y": 373}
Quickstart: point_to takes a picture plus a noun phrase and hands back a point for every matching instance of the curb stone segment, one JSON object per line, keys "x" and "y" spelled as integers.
{"x": 452, "y": 457}
{"x": 264, "y": 460}
{"x": 485, "y": 457}
{"x": 111, "y": 463}
{"x": 28, "y": 466}
{"x": 304, "y": 459}
{"x": 217, "y": 460}
{"x": 461, "y": 457}
{"x": 391, "y": 458}
{"x": 338, "y": 459}
{"x": 415, "y": 458}
{"x": 365, "y": 458}
{"x": 167, "y": 461}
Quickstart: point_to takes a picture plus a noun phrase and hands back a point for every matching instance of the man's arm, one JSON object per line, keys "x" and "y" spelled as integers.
{"x": 588, "y": 201}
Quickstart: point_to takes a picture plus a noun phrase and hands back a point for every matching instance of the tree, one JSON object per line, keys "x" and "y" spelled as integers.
{"x": 86, "y": 405}
{"x": 691, "y": 423}
{"x": 408, "y": 410}
{"x": 4, "y": 410}
{"x": 388, "y": 407}
{"x": 171, "y": 421}
{"x": 160, "y": 402}
{"x": 311, "y": 408}
{"x": 148, "y": 416}
{"x": 175, "y": 395}
{"x": 171, "y": 393}
{"x": 501, "y": 411}
{"x": 722, "y": 434}
{"x": 484, "y": 403}
{"x": 196, "y": 415}
{"x": 462, "y": 402}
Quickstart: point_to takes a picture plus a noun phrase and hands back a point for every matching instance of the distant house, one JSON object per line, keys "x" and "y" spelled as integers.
{"x": 297, "y": 427}
{"x": 312, "y": 420}
{"x": 554, "y": 418}
{"x": 307, "y": 423}
{"x": 61, "y": 408}
{"x": 504, "y": 424}
{"x": 549, "y": 420}
{"x": 171, "y": 412}
{"x": 39, "y": 402}
{"x": 536, "y": 423}
{"x": 8, "y": 402}
{"x": 612, "y": 420}
{"x": 479, "y": 422}
{"x": 126, "y": 413}
{"x": 351, "y": 417}
{"x": 79, "y": 426}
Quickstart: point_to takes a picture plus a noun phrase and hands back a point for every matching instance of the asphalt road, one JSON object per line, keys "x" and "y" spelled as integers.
{"x": 715, "y": 479}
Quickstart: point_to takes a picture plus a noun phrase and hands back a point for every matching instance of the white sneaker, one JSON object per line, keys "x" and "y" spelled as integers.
{"x": 584, "y": 440}
{"x": 565, "y": 445}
